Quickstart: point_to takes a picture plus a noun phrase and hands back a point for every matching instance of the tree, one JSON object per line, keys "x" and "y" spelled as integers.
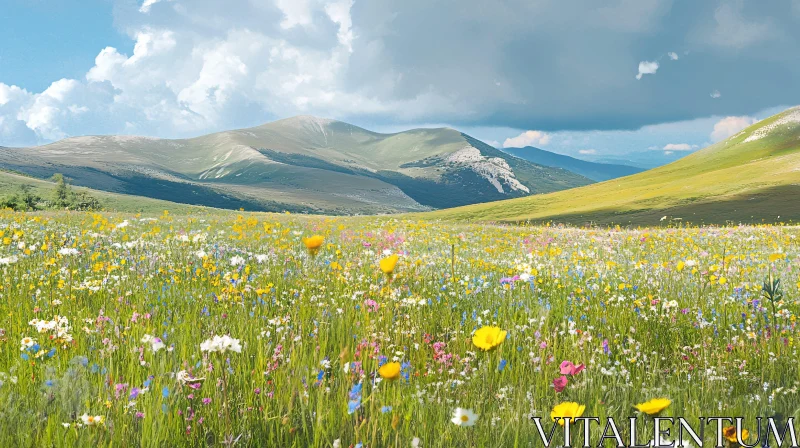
{"x": 8, "y": 202}
{"x": 84, "y": 202}
{"x": 28, "y": 198}
{"x": 61, "y": 195}
{"x": 23, "y": 200}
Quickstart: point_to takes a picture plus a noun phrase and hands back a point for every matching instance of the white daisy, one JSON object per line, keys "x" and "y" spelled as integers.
{"x": 464, "y": 417}
{"x": 221, "y": 344}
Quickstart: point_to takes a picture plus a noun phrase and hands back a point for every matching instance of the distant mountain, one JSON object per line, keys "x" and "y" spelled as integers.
{"x": 595, "y": 171}
{"x": 300, "y": 164}
{"x": 643, "y": 159}
{"x": 752, "y": 177}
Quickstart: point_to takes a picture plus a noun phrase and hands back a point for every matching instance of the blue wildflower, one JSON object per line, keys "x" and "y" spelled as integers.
{"x": 355, "y": 399}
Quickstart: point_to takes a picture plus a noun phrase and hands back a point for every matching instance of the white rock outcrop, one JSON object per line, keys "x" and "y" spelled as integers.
{"x": 791, "y": 116}
{"x": 493, "y": 169}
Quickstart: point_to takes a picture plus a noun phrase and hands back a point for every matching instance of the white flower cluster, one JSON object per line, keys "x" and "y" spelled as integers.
{"x": 7, "y": 377}
{"x": 87, "y": 420}
{"x": 196, "y": 238}
{"x": 58, "y": 327}
{"x": 92, "y": 420}
{"x": 155, "y": 342}
{"x": 221, "y": 344}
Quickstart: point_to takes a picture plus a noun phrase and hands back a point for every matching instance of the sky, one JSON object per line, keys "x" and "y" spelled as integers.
{"x": 586, "y": 78}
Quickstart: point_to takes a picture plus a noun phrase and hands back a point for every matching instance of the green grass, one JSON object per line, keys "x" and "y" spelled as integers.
{"x": 731, "y": 181}
{"x": 670, "y": 312}
{"x": 10, "y": 183}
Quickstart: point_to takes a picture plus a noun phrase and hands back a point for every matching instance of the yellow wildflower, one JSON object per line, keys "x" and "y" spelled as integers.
{"x": 314, "y": 243}
{"x": 388, "y": 264}
{"x": 390, "y": 371}
{"x": 730, "y": 434}
{"x": 653, "y": 406}
{"x": 569, "y": 410}
{"x": 486, "y": 338}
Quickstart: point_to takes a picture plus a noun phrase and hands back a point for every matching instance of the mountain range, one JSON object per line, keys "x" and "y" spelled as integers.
{"x": 652, "y": 158}
{"x": 595, "y": 171}
{"x": 309, "y": 164}
{"x": 300, "y": 164}
{"x": 752, "y": 177}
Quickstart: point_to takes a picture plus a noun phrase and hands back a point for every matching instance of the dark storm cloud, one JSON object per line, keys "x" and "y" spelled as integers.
{"x": 573, "y": 64}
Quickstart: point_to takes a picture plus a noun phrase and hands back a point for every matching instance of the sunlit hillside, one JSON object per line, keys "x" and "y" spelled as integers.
{"x": 753, "y": 176}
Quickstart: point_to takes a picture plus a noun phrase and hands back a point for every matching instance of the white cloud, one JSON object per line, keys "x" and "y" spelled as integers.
{"x": 10, "y": 93}
{"x": 527, "y": 138}
{"x": 239, "y": 71}
{"x": 339, "y": 13}
{"x": 673, "y": 56}
{"x": 44, "y": 113}
{"x": 77, "y": 110}
{"x": 715, "y": 94}
{"x": 105, "y": 64}
{"x": 147, "y": 4}
{"x": 150, "y": 42}
{"x": 13, "y": 131}
{"x": 647, "y": 68}
{"x": 729, "y": 126}
{"x": 222, "y": 74}
{"x": 180, "y": 82}
{"x": 679, "y": 147}
{"x": 587, "y": 151}
{"x": 296, "y": 12}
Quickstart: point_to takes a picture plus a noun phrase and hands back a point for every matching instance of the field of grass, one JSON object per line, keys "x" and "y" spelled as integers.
{"x": 105, "y": 322}
{"x": 740, "y": 179}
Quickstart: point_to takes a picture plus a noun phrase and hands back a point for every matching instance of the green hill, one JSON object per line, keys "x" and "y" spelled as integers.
{"x": 595, "y": 171}
{"x": 301, "y": 164}
{"x": 753, "y": 176}
{"x": 10, "y": 183}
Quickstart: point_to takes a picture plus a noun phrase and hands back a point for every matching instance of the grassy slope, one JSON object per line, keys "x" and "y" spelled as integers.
{"x": 732, "y": 180}
{"x": 10, "y": 182}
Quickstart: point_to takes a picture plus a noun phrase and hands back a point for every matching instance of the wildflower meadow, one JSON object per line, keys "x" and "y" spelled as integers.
{"x": 227, "y": 329}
